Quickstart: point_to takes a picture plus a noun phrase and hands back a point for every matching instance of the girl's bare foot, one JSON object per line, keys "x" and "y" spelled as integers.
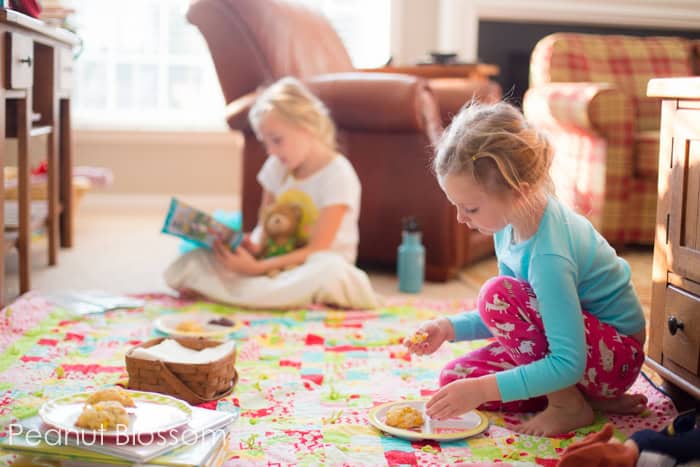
{"x": 628, "y": 404}
{"x": 567, "y": 411}
{"x": 188, "y": 294}
{"x": 556, "y": 420}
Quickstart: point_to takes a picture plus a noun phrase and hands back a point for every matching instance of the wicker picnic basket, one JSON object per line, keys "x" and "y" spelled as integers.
{"x": 195, "y": 383}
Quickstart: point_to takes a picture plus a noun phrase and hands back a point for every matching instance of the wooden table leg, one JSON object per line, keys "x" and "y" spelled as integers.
{"x": 65, "y": 162}
{"x": 23, "y": 198}
{"x": 52, "y": 189}
{"x": 2, "y": 199}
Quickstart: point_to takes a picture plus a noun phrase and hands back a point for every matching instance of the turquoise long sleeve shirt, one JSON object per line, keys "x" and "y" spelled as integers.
{"x": 571, "y": 268}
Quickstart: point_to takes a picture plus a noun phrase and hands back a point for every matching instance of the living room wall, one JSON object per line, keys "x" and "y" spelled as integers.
{"x": 165, "y": 162}
{"x": 209, "y": 163}
{"x": 156, "y": 163}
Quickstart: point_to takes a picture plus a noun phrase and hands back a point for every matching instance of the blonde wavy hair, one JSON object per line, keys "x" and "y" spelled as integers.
{"x": 289, "y": 99}
{"x": 495, "y": 144}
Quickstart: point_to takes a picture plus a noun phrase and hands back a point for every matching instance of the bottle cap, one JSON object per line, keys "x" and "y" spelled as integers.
{"x": 410, "y": 224}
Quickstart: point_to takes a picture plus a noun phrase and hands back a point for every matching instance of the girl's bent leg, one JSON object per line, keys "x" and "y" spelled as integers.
{"x": 484, "y": 361}
{"x": 508, "y": 307}
{"x": 613, "y": 364}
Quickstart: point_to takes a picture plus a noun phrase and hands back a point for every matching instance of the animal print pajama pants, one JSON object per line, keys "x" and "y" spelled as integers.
{"x": 508, "y": 307}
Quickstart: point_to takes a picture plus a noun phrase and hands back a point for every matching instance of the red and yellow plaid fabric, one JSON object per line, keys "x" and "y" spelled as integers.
{"x": 696, "y": 57}
{"x": 646, "y": 154}
{"x": 588, "y": 92}
{"x": 626, "y": 61}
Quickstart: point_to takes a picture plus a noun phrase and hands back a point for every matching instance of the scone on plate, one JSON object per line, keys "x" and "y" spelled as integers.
{"x": 189, "y": 325}
{"x": 418, "y": 337}
{"x": 105, "y": 415}
{"x": 404, "y": 416}
{"x": 111, "y": 394}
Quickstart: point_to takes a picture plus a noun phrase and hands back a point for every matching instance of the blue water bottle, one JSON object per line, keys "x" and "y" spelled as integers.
{"x": 411, "y": 258}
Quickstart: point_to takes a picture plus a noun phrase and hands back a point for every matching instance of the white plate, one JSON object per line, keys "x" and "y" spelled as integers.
{"x": 167, "y": 324}
{"x": 154, "y": 413}
{"x": 469, "y": 424}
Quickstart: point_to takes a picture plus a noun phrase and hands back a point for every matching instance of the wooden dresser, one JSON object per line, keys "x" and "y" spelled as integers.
{"x": 674, "y": 338}
{"x": 37, "y": 72}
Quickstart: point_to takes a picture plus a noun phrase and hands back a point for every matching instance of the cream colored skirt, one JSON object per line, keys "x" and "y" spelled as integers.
{"x": 325, "y": 278}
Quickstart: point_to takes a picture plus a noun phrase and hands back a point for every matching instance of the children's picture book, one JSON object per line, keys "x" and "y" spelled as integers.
{"x": 210, "y": 451}
{"x": 92, "y": 301}
{"x": 194, "y": 445}
{"x": 197, "y": 226}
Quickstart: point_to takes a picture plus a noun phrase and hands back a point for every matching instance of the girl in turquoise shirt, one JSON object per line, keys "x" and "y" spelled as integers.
{"x": 568, "y": 326}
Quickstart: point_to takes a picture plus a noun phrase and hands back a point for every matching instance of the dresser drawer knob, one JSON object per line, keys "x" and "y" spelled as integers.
{"x": 674, "y": 325}
{"x": 27, "y": 60}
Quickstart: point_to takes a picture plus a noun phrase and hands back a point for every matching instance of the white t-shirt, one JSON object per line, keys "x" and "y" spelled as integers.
{"x": 336, "y": 183}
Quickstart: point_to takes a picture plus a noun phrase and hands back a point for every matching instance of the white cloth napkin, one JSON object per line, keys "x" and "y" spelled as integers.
{"x": 170, "y": 350}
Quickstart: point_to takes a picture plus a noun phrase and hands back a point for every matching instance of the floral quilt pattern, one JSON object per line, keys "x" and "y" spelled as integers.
{"x": 307, "y": 380}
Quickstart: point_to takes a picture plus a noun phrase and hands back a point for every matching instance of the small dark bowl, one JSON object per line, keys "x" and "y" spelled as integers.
{"x": 443, "y": 57}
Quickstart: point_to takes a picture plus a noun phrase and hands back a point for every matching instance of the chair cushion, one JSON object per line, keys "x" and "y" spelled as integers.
{"x": 646, "y": 154}
{"x": 626, "y": 61}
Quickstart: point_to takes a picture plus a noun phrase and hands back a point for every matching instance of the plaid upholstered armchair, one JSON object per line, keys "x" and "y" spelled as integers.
{"x": 588, "y": 92}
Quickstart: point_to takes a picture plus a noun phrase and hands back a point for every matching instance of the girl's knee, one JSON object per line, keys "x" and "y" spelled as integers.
{"x": 494, "y": 285}
{"x": 459, "y": 369}
{"x": 447, "y": 375}
{"x": 443, "y": 379}
{"x": 492, "y": 293}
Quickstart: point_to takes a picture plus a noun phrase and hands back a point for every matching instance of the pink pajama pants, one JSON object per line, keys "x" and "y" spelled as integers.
{"x": 613, "y": 360}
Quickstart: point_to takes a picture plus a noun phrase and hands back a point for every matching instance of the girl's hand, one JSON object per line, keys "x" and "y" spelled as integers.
{"x": 456, "y": 398}
{"x": 252, "y": 247}
{"x": 431, "y": 336}
{"x": 240, "y": 261}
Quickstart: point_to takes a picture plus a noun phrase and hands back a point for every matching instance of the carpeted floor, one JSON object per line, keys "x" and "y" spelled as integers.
{"x": 307, "y": 380}
{"x": 119, "y": 248}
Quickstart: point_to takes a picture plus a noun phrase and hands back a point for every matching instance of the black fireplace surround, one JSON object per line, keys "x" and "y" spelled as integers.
{"x": 509, "y": 45}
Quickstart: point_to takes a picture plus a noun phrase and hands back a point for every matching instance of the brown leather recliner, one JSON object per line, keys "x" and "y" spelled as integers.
{"x": 387, "y": 123}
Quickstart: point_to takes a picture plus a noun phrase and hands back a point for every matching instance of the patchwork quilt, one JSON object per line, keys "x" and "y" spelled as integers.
{"x": 308, "y": 378}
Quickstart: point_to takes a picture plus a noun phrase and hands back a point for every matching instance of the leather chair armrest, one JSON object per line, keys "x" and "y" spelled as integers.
{"x": 453, "y": 93}
{"x": 379, "y": 102}
{"x": 364, "y": 101}
{"x": 596, "y": 108}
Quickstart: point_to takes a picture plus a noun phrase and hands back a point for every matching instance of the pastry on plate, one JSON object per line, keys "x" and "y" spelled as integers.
{"x": 404, "y": 416}
{"x": 189, "y": 325}
{"x": 111, "y": 394}
{"x": 105, "y": 415}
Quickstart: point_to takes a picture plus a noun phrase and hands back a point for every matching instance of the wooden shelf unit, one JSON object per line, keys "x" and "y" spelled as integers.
{"x": 674, "y": 337}
{"x": 40, "y": 130}
{"x": 36, "y": 89}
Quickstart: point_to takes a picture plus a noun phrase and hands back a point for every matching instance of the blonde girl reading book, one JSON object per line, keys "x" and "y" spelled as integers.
{"x": 568, "y": 326}
{"x": 304, "y": 167}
